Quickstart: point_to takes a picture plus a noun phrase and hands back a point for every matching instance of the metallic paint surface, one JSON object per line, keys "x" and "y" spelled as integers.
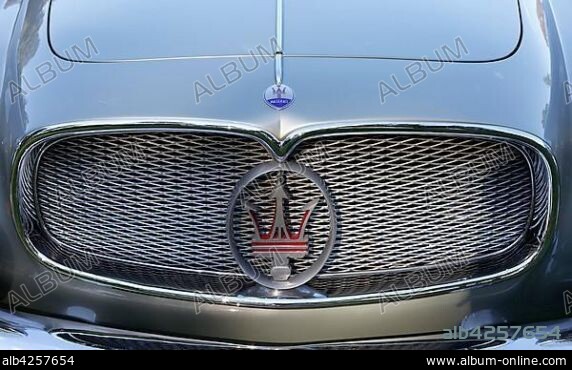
{"x": 190, "y": 29}
{"x": 522, "y": 93}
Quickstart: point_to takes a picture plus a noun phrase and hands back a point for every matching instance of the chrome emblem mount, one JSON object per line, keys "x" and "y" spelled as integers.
{"x": 274, "y": 235}
{"x": 279, "y": 96}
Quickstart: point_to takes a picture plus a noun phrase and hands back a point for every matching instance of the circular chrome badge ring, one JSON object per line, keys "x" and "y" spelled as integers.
{"x": 306, "y": 275}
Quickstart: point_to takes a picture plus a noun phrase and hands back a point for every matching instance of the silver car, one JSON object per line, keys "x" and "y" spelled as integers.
{"x": 285, "y": 173}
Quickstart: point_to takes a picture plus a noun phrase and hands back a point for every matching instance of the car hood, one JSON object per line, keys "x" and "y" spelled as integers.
{"x": 126, "y": 30}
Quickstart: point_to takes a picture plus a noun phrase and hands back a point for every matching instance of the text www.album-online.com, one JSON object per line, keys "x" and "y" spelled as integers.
{"x": 510, "y": 361}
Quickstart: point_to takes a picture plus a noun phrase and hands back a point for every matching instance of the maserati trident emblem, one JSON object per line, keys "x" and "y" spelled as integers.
{"x": 279, "y": 96}
{"x": 271, "y": 224}
{"x": 280, "y": 243}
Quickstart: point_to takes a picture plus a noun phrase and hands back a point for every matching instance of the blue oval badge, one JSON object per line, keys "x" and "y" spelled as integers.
{"x": 279, "y": 96}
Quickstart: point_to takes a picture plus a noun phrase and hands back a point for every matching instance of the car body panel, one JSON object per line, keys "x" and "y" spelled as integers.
{"x": 324, "y": 91}
{"x": 182, "y": 29}
{"x": 148, "y": 29}
{"x": 522, "y": 93}
{"x": 372, "y": 29}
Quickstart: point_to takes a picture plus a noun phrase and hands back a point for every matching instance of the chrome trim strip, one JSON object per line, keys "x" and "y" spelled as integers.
{"x": 70, "y": 336}
{"x": 278, "y": 68}
{"x": 279, "y": 53}
{"x": 280, "y": 150}
{"x": 280, "y": 26}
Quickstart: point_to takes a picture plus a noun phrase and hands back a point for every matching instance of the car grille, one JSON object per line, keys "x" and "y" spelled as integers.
{"x": 150, "y": 208}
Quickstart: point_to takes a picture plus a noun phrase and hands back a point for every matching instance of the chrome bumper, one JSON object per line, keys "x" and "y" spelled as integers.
{"x": 34, "y": 332}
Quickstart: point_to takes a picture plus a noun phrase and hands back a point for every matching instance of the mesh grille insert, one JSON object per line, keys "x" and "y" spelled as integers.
{"x": 152, "y": 207}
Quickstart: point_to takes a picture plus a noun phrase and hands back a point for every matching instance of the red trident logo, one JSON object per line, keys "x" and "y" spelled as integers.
{"x": 280, "y": 242}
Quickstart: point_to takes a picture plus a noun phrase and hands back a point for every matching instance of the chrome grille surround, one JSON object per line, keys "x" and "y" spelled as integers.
{"x": 340, "y": 287}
